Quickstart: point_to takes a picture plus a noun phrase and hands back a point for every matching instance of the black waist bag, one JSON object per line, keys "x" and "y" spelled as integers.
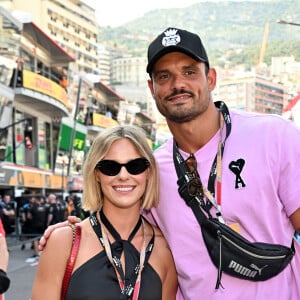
{"x": 233, "y": 254}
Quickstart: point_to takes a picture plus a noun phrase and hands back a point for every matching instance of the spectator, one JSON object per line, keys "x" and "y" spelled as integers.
{"x": 37, "y": 214}
{"x": 108, "y": 113}
{"x": 70, "y": 209}
{"x": 26, "y": 223}
{"x": 64, "y": 82}
{"x": 56, "y": 210}
{"x": 17, "y": 72}
{"x": 79, "y": 211}
{"x": 7, "y": 213}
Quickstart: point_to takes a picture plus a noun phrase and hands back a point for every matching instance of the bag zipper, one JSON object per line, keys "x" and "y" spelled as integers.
{"x": 246, "y": 251}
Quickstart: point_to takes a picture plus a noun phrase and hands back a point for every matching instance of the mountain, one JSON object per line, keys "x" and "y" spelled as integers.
{"x": 230, "y": 30}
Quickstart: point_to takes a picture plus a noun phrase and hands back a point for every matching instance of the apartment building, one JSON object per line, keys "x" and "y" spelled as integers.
{"x": 32, "y": 104}
{"x": 104, "y": 72}
{"x": 286, "y": 70}
{"x": 252, "y": 92}
{"x": 71, "y": 24}
{"x": 129, "y": 71}
{"x": 129, "y": 78}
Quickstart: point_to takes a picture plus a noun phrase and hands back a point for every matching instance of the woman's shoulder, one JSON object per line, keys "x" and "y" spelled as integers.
{"x": 60, "y": 239}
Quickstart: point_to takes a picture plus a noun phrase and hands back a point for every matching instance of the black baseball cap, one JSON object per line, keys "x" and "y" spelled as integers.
{"x": 176, "y": 40}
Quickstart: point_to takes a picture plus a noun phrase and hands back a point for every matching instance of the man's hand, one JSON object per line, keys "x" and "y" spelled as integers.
{"x": 48, "y": 231}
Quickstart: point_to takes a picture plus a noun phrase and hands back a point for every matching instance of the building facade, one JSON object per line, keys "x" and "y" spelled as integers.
{"x": 72, "y": 25}
{"x": 252, "y": 93}
{"x": 32, "y": 104}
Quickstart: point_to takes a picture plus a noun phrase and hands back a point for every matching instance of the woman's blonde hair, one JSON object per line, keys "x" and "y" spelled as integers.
{"x": 92, "y": 193}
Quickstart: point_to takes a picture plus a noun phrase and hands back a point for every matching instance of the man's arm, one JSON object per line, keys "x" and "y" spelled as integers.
{"x": 4, "y": 256}
{"x": 49, "y": 219}
{"x": 8, "y": 212}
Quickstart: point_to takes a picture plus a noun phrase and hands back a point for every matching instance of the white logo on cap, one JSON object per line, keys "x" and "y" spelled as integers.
{"x": 171, "y": 38}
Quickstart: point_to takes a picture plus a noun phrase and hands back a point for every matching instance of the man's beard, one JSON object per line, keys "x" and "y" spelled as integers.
{"x": 181, "y": 115}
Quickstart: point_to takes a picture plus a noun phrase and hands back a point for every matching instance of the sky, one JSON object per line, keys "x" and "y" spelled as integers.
{"x": 117, "y": 12}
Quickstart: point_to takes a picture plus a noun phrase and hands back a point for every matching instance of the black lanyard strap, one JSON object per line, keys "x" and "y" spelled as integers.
{"x": 190, "y": 184}
{"x": 113, "y": 231}
{"x": 222, "y": 107}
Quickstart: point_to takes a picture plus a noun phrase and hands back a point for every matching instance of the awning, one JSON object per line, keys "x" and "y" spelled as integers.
{"x": 292, "y": 103}
{"x": 57, "y": 53}
{"x": 39, "y": 102}
{"x": 108, "y": 91}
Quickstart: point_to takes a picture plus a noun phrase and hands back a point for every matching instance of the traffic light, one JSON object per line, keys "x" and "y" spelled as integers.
{"x": 28, "y": 135}
{"x": 27, "y": 142}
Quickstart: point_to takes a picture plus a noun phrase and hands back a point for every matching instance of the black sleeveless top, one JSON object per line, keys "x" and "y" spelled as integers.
{"x": 96, "y": 279}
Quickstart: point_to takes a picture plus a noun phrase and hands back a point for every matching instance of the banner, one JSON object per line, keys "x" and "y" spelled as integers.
{"x": 65, "y": 136}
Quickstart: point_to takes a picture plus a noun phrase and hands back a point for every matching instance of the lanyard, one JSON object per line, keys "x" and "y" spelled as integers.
{"x": 128, "y": 289}
{"x": 215, "y": 176}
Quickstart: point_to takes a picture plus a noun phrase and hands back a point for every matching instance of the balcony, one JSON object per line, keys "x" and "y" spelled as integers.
{"x": 40, "y": 94}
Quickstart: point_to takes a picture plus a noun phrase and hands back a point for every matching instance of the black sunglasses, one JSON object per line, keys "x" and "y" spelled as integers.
{"x": 195, "y": 187}
{"x": 112, "y": 168}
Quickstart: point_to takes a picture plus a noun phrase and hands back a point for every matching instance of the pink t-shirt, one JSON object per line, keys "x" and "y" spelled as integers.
{"x": 268, "y": 192}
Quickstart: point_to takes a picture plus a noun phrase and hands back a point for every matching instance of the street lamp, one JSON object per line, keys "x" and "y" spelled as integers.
{"x": 287, "y": 23}
{"x": 85, "y": 87}
{"x": 27, "y": 139}
{"x": 13, "y": 124}
{"x": 74, "y": 127}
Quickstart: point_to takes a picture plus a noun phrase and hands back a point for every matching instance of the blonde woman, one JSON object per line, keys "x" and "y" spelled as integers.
{"x": 121, "y": 256}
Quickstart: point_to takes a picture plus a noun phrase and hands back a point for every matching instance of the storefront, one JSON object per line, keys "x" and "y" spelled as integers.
{"x": 20, "y": 180}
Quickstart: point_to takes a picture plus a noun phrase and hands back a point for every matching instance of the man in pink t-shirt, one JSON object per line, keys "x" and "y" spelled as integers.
{"x": 257, "y": 183}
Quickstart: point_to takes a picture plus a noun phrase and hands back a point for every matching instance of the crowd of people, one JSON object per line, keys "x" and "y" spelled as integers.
{"x": 34, "y": 215}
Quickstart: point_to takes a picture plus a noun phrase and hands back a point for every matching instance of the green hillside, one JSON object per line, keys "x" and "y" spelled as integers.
{"x": 230, "y": 30}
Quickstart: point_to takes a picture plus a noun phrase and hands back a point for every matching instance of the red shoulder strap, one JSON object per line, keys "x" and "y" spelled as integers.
{"x": 71, "y": 261}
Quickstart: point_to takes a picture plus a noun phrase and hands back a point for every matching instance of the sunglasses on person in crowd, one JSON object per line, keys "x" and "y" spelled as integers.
{"x": 113, "y": 168}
